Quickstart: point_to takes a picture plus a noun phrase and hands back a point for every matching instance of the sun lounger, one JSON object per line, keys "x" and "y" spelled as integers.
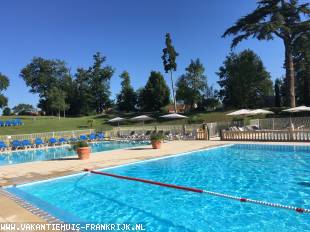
{"x": 38, "y": 142}
{"x": 3, "y": 146}
{"x": 62, "y": 140}
{"x": 72, "y": 140}
{"x": 8, "y": 123}
{"x": 100, "y": 136}
{"x": 52, "y": 141}
{"x": 26, "y": 143}
{"x": 16, "y": 144}
{"x": 83, "y": 137}
{"x": 92, "y": 137}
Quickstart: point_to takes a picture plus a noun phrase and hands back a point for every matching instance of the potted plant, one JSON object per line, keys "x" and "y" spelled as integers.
{"x": 82, "y": 149}
{"x": 156, "y": 140}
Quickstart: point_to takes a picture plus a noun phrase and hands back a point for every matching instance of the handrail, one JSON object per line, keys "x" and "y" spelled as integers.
{"x": 267, "y": 135}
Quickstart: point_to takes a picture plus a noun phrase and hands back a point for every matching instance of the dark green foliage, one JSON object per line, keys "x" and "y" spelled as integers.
{"x": 4, "y": 84}
{"x": 155, "y": 94}
{"x": 56, "y": 99}
{"x": 23, "y": 109}
{"x": 156, "y": 136}
{"x": 210, "y": 98}
{"x": 41, "y": 75}
{"x": 302, "y": 64}
{"x": 127, "y": 98}
{"x": 284, "y": 90}
{"x": 277, "y": 92}
{"x": 6, "y": 111}
{"x": 99, "y": 83}
{"x": 285, "y": 19}
{"x": 79, "y": 144}
{"x": 169, "y": 61}
{"x": 192, "y": 85}
{"x": 244, "y": 81}
{"x": 85, "y": 94}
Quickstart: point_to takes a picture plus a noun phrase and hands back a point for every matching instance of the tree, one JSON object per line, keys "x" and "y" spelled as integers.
{"x": 277, "y": 92}
{"x": 155, "y": 94}
{"x": 82, "y": 102}
{"x": 127, "y": 99}
{"x": 6, "y": 111}
{"x": 100, "y": 83}
{"x": 4, "y": 84}
{"x": 192, "y": 85}
{"x": 210, "y": 99}
{"x": 275, "y": 18}
{"x": 302, "y": 64}
{"x": 22, "y": 108}
{"x": 56, "y": 98}
{"x": 244, "y": 81}
{"x": 42, "y": 74}
{"x": 169, "y": 60}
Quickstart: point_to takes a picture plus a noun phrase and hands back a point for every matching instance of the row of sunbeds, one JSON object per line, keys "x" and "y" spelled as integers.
{"x": 39, "y": 142}
{"x": 168, "y": 135}
{"x": 13, "y": 122}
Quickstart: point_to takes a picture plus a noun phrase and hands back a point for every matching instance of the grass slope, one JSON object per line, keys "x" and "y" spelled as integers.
{"x": 49, "y": 123}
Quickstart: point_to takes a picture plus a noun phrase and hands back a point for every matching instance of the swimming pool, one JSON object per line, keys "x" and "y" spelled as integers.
{"x": 23, "y": 156}
{"x": 278, "y": 174}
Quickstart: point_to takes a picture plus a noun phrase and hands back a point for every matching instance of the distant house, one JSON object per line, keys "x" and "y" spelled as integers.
{"x": 181, "y": 108}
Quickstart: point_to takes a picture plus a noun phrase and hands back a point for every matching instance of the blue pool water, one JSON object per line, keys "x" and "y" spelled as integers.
{"x": 278, "y": 174}
{"x": 23, "y": 156}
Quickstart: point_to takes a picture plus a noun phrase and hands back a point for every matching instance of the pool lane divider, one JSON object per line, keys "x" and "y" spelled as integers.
{"x": 241, "y": 199}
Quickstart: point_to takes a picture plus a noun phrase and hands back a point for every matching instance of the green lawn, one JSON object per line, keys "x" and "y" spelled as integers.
{"x": 46, "y": 124}
{"x": 49, "y": 123}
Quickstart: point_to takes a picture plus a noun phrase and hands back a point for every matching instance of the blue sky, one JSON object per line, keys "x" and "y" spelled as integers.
{"x": 129, "y": 33}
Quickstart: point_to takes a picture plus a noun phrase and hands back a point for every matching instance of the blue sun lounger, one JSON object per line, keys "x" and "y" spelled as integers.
{"x": 2, "y": 146}
{"x": 62, "y": 140}
{"x": 92, "y": 137}
{"x": 8, "y": 123}
{"x": 83, "y": 137}
{"x": 16, "y": 144}
{"x": 100, "y": 136}
{"x": 26, "y": 143}
{"x": 38, "y": 142}
{"x": 52, "y": 141}
{"x": 72, "y": 140}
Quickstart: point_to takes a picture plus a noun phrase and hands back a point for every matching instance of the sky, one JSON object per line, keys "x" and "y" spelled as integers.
{"x": 130, "y": 33}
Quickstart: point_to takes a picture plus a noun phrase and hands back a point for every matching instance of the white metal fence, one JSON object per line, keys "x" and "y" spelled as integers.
{"x": 45, "y": 135}
{"x": 282, "y": 123}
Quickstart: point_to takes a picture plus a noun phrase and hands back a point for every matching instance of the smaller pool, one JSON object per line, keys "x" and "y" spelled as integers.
{"x": 23, "y": 156}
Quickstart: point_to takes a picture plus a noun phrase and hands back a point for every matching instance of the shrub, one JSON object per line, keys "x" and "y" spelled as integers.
{"x": 157, "y": 136}
{"x": 79, "y": 144}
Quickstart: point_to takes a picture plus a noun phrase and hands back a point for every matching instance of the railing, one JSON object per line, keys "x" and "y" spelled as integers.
{"x": 267, "y": 135}
{"x": 45, "y": 135}
{"x": 188, "y": 129}
{"x": 281, "y": 123}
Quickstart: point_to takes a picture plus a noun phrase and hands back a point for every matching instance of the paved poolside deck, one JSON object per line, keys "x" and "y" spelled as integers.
{"x": 40, "y": 170}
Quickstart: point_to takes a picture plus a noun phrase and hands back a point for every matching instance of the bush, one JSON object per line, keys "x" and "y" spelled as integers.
{"x": 6, "y": 111}
{"x": 79, "y": 144}
{"x": 157, "y": 136}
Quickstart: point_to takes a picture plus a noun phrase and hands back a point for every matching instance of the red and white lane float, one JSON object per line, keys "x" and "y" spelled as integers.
{"x": 241, "y": 199}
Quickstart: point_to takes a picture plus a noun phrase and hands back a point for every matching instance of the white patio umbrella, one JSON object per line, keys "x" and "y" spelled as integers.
{"x": 173, "y": 116}
{"x": 261, "y": 111}
{"x": 243, "y": 112}
{"x": 142, "y": 118}
{"x": 117, "y": 119}
{"x": 295, "y": 110}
